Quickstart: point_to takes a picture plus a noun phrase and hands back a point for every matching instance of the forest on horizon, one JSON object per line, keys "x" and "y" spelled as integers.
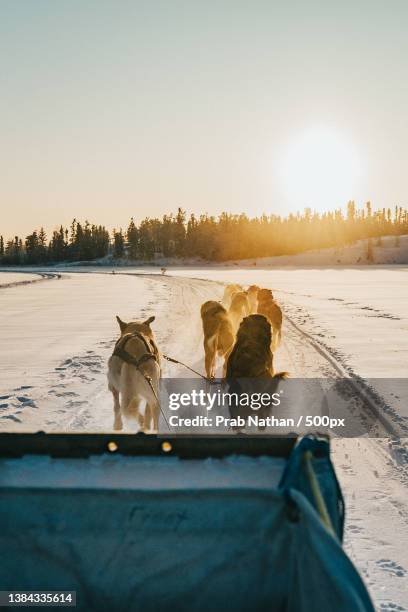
{"x": 221, "y": 238}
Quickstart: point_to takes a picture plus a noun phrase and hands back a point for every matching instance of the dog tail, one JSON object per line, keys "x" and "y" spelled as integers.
{"x": 281, "y": 375}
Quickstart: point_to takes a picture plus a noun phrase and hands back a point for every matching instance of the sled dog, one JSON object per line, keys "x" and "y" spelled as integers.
{"x": 229, "y": 292}
{"x": 270, "y": 309}
{"x": 252, "y": 293}
{"x": 218, "y": 334}
{"x": 238, "y": 309}
{"x": 250, "y": 359}
{"x": 252, "y": 356}
{"x": 133, "y": 376}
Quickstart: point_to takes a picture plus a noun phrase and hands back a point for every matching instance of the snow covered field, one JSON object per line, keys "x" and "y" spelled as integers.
{"x": 11, "y": 279}
{"x": 57, "y": 336}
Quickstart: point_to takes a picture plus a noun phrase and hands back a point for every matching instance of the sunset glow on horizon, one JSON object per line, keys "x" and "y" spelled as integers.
{"x": 320, "y": 169}
{"x": 108, "y": 114}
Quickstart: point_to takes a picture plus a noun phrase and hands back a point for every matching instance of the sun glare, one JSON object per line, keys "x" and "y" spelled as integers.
{"x": 320, "y": 169}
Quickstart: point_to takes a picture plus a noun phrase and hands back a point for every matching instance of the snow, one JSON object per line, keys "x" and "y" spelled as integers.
{"x": 10, "y": 279}
{"x": 333, "y": 304}
{"x": 58, "y": 334}
{"x": 57, "y": 340}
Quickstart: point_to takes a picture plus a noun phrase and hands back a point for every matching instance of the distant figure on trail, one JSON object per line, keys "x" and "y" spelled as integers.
{"x": 113, "y": 272}
{"x": 163, "y": 271}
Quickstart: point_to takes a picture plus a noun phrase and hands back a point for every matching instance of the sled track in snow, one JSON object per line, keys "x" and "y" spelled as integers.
{"x": 44, "y": 276}
{"x": 369, "y": 396}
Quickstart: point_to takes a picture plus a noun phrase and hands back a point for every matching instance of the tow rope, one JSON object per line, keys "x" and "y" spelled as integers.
{"x": 172, "y": 360}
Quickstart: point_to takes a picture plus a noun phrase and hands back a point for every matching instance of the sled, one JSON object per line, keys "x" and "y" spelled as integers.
{"x": 135, "y": 522}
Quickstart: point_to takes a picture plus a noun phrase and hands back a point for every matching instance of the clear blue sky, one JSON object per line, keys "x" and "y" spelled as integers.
{"x": 116, "y": 108}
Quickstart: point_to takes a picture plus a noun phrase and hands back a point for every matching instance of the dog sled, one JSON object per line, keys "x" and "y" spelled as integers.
{"x": 136, "y": 522}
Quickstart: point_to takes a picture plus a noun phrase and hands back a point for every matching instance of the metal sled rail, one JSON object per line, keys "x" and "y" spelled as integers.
{"x": 86, "y": 444}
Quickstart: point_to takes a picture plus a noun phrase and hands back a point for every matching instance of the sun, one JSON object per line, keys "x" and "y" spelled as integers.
{"x": 320, "y": 169}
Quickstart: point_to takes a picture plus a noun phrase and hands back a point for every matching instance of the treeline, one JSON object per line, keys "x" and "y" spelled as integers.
{"x": 79, "y": 243}
{"x": 218, "y": 239}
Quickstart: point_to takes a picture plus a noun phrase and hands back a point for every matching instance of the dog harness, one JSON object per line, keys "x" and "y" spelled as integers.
{"x": 121, "y": 352}
{"x": 151, "y": 353}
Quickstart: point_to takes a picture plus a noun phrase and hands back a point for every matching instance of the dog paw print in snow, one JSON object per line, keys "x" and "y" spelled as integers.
{"x": 390, "y": 606}
{"x": 79, "y": 366}
{"x": 26, "y": 401}
{"x": 391, "y": 567}
{"x": 3, "y": 403}
{"x": 354, "y": 529}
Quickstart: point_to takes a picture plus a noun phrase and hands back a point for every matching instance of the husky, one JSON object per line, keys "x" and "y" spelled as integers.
{"x": 229, "y": 292}
{"x": 250, "y": 366}
{"x": 218, "y": 334}
{"x": 133, "y": 376}
{"x": 252, "y": 356}
{"x": 268, "y": 307}
{"x": 238, "y": 309}
{"x": 252, "y": 293}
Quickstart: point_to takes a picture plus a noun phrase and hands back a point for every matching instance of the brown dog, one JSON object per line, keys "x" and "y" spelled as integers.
{"x": 218, "y": 334}
{"x": 270, "y": 309}
{"x": 251, "y": 356}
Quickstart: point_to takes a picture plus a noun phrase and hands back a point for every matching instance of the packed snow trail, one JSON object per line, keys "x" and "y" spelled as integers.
{"x": 57, "y": 338}
{"x": 15, "y": 279}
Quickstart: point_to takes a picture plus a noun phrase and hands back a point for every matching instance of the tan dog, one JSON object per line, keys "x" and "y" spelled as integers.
{"x": 270, "y": 309}
{"x": 135, "y": 361}
{"x": 252, "y": 293}
{"x": 218, "y": 334}
{"x": 229, "y": 292}
{"x": 238, "y": 309}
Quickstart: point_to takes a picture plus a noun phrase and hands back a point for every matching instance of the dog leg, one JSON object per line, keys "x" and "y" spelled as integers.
{"x": 232, "y": 318}
{"x": 226, "y": 357}
{"x": 155, "y": 416}
{"x": 141, "y": 419}
{"x": 130, "y": 409}
{"x": 214, "y": 358}
{"x": 209, "y": 357}
{"x": 147, "y": 417}
{"x": 117, "y": 420}
{"x": 276, "y": 338}
{"x": 152, "y": 420}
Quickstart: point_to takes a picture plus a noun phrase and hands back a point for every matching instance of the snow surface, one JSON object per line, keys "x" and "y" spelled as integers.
{"x": 57, "y": 336}
{"x": 9, "y": 279}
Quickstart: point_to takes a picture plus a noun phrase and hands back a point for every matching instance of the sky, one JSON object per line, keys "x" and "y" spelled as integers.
{"x": 120, "y": 108}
